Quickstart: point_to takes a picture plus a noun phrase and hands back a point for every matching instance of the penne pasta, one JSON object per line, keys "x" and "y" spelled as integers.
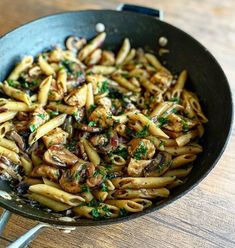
{"x": 26, "y": 164}
{"x": 181, "y": 80}
{"x": 6, "y": 126}
{"x": 56, "y": 194}
{"x": 125, "y": 83}
{"x": 46, "y": 128}
{"x": 90, "y": 97}
{"x": 91, "y": 152}
{"x": 16, "y": 94}
{"x": 189, "y": 149}
{"x": 50, "y": 183}
{"x": 25, "y": 63}
{"x": 62, "y": 80}
{"x": 45, "y": 66}
{"x": 142, "y": 182}
{"x": 62, "y": 108}
{"x": 11, "y": 155}
{"x": 48, "y": 202}
{"x": 123, "y": 52}
{"x": 9, "y": 144}
{"x": 178, "y": 173}
{"x": 44, "y": 89}
{"x": 182, "y": 160}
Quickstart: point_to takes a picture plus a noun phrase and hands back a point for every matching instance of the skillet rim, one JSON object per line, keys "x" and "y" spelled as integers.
{"x": 88, "y": 222}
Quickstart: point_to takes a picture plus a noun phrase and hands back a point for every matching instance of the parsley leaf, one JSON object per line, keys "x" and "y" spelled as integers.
{"x": 85, "y": 188}
{"x": 162, "y": 121}
{"x": 95, "y": 213}
{"x": 141, "y": 150}
{"x": 42, "y": 116}
{"x": 103, "y": 187}
{"x": 32, "y": 128}
{"x": 121, "y": 151}
{"x": 92, "y": 124}
{"x": 12, "y": 83}
{"x": 123, "y": 212}
{"x": 142, "y": 133}
{"x": 103, "y": 87}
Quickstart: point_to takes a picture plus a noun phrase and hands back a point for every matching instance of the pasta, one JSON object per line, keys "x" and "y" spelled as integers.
{"x": 96, "y": 134}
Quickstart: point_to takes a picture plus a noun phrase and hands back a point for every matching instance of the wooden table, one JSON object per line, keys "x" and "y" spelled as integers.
{"x": 206, "y": 216}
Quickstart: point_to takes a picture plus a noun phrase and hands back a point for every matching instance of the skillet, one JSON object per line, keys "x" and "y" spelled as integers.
{"x": 143, "y": 29}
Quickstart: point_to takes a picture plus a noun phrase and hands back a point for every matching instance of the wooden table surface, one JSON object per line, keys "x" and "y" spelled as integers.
{"x": 205, "y": 217}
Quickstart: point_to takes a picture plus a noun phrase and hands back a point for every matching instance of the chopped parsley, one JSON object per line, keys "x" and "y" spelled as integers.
{"x": 103, "y": 87}
{"x": 185, "y": 125}
{"x": 78, "y": 176}
{"x": 53, "y": 113}
{"x": 140, "y": 151}
{"x": 99, "y": 171}
{"x": 174, "y": 111}
{"x": 85, "y": 188}
{"x": 162, "y": 143}
{"x": 76, "y": 116}
{"x": 106, "y": 209}
{"x": 162, "y": 121}
{"x": 42, "y": 116}
{"x": 93, "y": 203}
{"x": 79, "y": 73}
{"x": 175, "y": 99}
{"x": 142, "y": 133}
{"x": 121, "y": 151}
{"x": 72, "y": 146}
{"x": 12, "y": 83}
{"x": 92, "y": 124}
{"x": 103, "y": 187}
{"x": 32, "y": 128}
{"x": 122, "y": 212}
{"x": 91, "y": 108}
{"x": 95, "y": 213}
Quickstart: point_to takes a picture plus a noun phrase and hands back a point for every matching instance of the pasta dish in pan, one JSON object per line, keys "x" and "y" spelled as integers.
{"x": 97, "y": 135}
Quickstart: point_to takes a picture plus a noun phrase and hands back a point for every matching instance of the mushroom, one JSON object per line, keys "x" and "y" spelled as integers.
{"x": 141, "y": 149}
{"x": 46, "y": 171}
{"x": 13, "y": 135}
{"x": 9, "y": 170}
{"x": 158, "y": 165}
{"x": 73, "y": 179}
{"x": 74, "y": 43}
{"x": 59, "y": 156}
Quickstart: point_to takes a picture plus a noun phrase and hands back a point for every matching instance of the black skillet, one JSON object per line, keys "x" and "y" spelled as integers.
{"x": 143, "y": 29}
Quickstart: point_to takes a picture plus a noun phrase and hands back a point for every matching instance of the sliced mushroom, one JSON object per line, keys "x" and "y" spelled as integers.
{"x": 13, "y": 135}
{"x": 81, "y": 173}
{"x": 158, "y": 165}
{"x": 59, "y": 156}
{"x": 46, "y": 171}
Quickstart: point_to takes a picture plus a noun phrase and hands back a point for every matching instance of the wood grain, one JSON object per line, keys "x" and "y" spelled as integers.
{"x": 206, "y": 216}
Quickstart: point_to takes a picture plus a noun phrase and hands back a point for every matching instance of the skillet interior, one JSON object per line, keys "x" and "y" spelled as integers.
{"x": 206, "y": 76}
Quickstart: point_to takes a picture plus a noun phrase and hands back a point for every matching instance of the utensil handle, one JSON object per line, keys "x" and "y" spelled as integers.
{"x": 157, "y": 13}
{"x": 4, "y": 220}
{"x": 28, "y": 236}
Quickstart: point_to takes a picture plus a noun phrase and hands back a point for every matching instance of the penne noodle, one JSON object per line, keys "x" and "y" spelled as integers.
{"x": 36, "y": 159}
{"x": 125, "y": 83}
{"x": 161, "y": 108}
{"x": 130, "y": 56}
{"x": 62, "y": 108}
{"x": 178, "y": 173}
{"x": 87, "y": 196}
{"x": 152, "y": 59}
{"x": 124, "y": 117}
{"x": 62, "y": 80}
{"x": 45, "y": 67}
{"x": 105, "y": 210}
{"x": 123, "y": 52}
{"x": 26, "y": 164}
{"x": 141, "y": 193}
{"x": 101, "y": 69}
{"x": 152, "y": 88}
{"x": 46, "y": 128}
{"x": 117, "y": 160}
{"x": 9, "y": 144}
{"x": 16, "y": 94}
{"x": 100, "y": 195}
{"x": 48, "y": 202}
{"x": 56, "y": 194}
{"x": 25, "y": 63}
{"x": 181, "y": 80}
{"x": 182, "y": 160}
{"x": 175, "y": 184}
{"x": 50, "y": 183}
{"x": 90, "y": 97}
{"x": 92, "y": 46}
{"x": 6, "y": 126}
{"x": 189, "y": 149}
{"x": 153, "y": 129}
{"x": 186, "y": 138}
{"x": 94, "y": 58}
{"x": 11, "y": 155}
{"x": 142, "y": 182}
{"x": 91, "y": 152}
{"x": 44, "y": 89}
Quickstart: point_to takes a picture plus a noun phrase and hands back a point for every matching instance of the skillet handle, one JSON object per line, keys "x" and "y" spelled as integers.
{"x": 4, "y": 219}
{"x": 28, "y": 237}
{"x": 157, "y": 13}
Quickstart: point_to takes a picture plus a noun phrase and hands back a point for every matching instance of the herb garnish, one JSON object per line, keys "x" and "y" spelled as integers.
{"x": 103, "y": 87}
{"x": 123, "y": 212}
{"x": 141, "y": 150}
{"x": 32, "y": 128}
{"x": 103, "y": 187}
{"x": 95, "y": 213}
{"x": 12, "y": 83}
{"x": 142, "y": 133}
{"x": 92, "y": 124}
{"x": 121, "y": 151}
{"x": 162, "y": 121}
{"x": 42, "y": 116}
{"x": 85, "y": 188}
